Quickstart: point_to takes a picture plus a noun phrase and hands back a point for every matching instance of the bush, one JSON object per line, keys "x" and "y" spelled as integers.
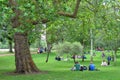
{"x": 77, "y": 48}
{"x": 63, "y": 48}
{"x": 66, "y": 47}
{"x": 69, "y": 48}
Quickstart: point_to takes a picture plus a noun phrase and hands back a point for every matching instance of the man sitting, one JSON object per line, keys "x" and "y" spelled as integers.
{"x": 77, "y": 66}
{"x": 91, "y": 67}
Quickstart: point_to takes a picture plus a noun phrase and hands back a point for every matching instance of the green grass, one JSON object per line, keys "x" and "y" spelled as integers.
{"x": 59, "y": 70}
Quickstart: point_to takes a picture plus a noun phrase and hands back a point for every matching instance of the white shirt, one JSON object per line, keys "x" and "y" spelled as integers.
{"x": 104, "y": 64}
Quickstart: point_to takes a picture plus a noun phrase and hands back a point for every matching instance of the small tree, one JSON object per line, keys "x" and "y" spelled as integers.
{"x": 63, "y": 48}
{"x": 69, "y": 48}
{"x": 77, "y": 48}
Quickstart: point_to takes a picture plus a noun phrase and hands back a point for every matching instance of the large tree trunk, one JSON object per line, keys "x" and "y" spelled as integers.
{"x": 23, "y": 59}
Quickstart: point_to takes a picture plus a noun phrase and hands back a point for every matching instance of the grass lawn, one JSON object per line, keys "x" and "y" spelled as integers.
{"x": 60, "y": 70}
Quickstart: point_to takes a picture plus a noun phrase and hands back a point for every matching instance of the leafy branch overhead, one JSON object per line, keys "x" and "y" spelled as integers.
{"x": 74, "y": 13}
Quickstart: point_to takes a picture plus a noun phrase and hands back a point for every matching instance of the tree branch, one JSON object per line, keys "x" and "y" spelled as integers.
{"x": 15, "y": 20}
{"x": 76, "y": 8}
{"x": 74, "y": 13}
{"x": 37, "y": 22}
{"x": 89, "y": 3}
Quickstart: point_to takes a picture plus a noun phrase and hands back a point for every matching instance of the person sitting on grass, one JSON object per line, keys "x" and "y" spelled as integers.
{"x": 91, "y": 66}
{"x": 82, "y": 68}
{"x": 76, "y": 67}
{"x": 104, "y": 63}
{"x": 58, "y": 58}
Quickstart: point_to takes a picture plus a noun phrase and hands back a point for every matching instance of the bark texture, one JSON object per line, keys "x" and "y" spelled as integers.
{"x": 23, "y": 59}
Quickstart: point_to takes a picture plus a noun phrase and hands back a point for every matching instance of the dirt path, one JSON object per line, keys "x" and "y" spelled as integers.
{"x": 6, "y": 55}
{"x": 10, "y": 54}
{"x": 13, "y": 54}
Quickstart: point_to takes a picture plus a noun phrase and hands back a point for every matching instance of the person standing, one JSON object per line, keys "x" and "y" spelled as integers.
{"x": 103, "y": 55}
{"x": 108, "y": 59}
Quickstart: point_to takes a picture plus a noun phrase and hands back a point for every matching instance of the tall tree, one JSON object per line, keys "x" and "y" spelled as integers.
{"x": 23, "y": 59}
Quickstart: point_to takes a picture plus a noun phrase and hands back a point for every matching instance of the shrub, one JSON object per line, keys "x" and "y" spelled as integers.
{"x": 69, "y": 48}
{"x": 77, "y": 48}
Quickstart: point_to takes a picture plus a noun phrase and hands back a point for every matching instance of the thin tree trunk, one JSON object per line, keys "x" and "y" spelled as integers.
{"x": 49, "y": 47}
{"x": 74, "y": 56}
{"x": 83, "y": 49}
{"x": 10, "y": 47}
{"x": 115, "y": 54}
{"x": 47, "y": 57}
{"x": 23, "y": 59}
{"x": 74, "y": 60}
{"x": 91, "y": 44}
{"x": 83, "y": 57}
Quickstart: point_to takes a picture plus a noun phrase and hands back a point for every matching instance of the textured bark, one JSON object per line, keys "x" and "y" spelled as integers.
{"x": 15, "y": 20}
{"x": 23, "y": 59}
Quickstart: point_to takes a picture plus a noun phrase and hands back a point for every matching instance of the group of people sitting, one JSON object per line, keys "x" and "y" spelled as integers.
{"x": 78, "y": 67}
{"x": 41, "y": 50}
{"x": 58, "y": 58}
{"x": 91, "y": 67}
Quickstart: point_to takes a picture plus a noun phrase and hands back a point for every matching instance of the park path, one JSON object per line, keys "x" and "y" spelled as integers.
{"x": 6, "y": 55}
{"x": 6, "y": 50}
{"x": 11, "y": 54}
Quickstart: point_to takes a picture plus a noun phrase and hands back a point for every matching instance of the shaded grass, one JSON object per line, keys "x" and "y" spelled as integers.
{"x": 59, "y": 70}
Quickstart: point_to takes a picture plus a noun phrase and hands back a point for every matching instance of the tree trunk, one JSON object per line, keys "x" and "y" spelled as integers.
{"x": 83, "y": 57}
{"x": 91, "y": 44}
{"x": 23, "y": 59}
{"x": 115, "y": 54}
{"x": 10, "y": 47}
{"x": 83, "y": 49}
{"x": 74, "y": 56}
{"x": 74, "y": 60}
{"x": 49, "y": 47}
